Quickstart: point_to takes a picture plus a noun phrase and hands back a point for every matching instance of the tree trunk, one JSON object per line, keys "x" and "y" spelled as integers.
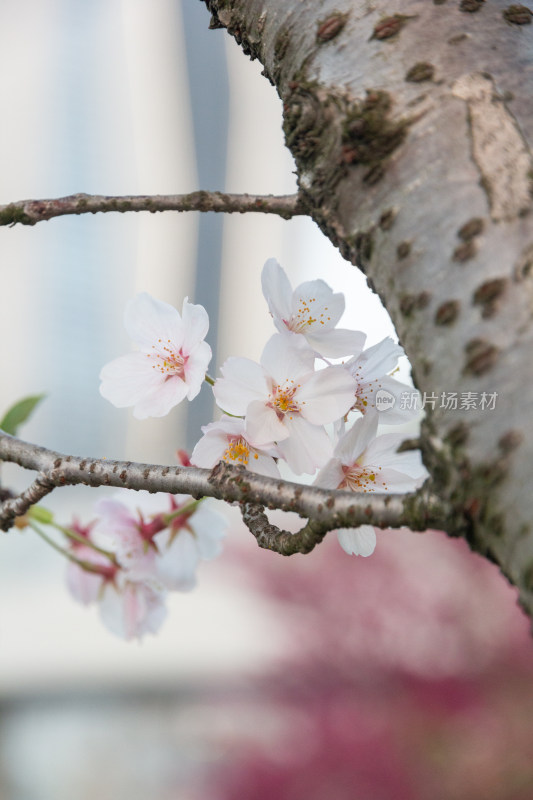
{"x": 411, "y": 133}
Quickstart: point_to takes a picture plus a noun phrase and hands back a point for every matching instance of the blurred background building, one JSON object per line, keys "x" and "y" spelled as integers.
{"x": 275, "y": 678}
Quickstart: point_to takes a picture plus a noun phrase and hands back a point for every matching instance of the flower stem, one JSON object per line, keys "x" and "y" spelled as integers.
{"x": 209, "y": 380}
{"x": 86, "y": 565}
{"x": 188, "y": 509}
{"x": 69, "y": 533}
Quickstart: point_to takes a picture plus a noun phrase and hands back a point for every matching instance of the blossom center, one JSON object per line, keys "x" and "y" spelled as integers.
{"x": 237, "y": 451}
{"x": 361, "y": 479}
{"x": 304, "y": 317}
{"x": 283, "y": 402}
{"x": 168, "y": 359}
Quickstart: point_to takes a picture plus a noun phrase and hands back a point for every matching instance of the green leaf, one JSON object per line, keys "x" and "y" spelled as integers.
{"x": 19, "y": 413}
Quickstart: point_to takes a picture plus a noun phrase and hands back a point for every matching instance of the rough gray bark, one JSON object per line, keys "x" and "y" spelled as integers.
{"x": 411, "y": 125}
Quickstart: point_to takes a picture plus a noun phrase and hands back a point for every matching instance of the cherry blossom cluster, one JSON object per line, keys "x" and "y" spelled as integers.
{"x": 314, "y": 401}
{"x": 138, "y": 547}
{"x": 296, "y": 404}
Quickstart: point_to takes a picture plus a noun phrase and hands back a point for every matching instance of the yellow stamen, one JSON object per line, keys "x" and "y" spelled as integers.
{"x": 237, "y": 451}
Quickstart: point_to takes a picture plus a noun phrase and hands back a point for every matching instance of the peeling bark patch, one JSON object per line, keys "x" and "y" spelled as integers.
{"x": 471, "y": 229}
{"x": 525, "y": 265}
{"x": 480, "y": 357}
{"x": 281, "y": 45}
{"x": 527, "y": 577}
{"x": 464, "y": 252}
{"x": 330, "y": 27}
{"x": 458, "y": 435}
{"x": 517, "y": 15}
{"x": 303, "y": 122}
{"x": 403, "y": 250}
{"x": 498, "y": 148}
{"x": 369, "y": 134}
{"x": 386, "y": 220}
{"x": 487, "y": 294}
{"x": 374, "y": 175}
{"x": 460, "y": 37}
{"x": 447, "y": 313}
{"x": 470, "y": 6}
{"x": 414, "y": 302}
{"x": 364, "y": 247}
{"x": 510, "y": 441}
{"x": 422, "y": 71}
{"x": 390, "y": 26}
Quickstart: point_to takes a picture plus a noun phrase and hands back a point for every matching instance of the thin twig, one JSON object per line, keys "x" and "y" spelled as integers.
{"x": 29, "y": 212}
{"x": 327, "y": 509}
{"x": 17, "y": 506}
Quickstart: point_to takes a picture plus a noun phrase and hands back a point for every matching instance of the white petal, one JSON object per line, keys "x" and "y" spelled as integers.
{"x": 177, "y": 564}
{"x": 263, "y": 426}
{"x": 210, "y": 528}
{"x": 167, "y": 395}
{"x": 326, "y": 395}
{"x": 136, "y": 501}
{"x": 196, "y": 367}
{"x": 195, "y": 326}
{"x": 83, "y": 586}
{"x": 337, "y": 343}
{"x": 331, "y": 475}
{"x": 210, "y": 449}
{"x": 277, "y": 291}
{"x": 357, "y": 541}
{"x": 383, "y": 451}
{"x": 355, "y": 441}
{"x": 116, "y": 526}
{"x": 307, "y": 447}
{"x": 395, "y": 481}
{"x": 128, "y": 379}
{"x": 147, "y": 320}
{"x": 244, "y": 381}
{"x": 262, "y": 465}
{"x": 286, "y": 357}
{"x": 315, "y": 304}
{"x": 380, "y": 359}
{"x": 234, "y": 426}
{"x": 384, "y": 395}
{"x": 135, "y": 610}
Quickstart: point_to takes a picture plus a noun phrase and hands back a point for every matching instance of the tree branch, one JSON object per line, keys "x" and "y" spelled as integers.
{"x": 29, "y": 212}
{"x": 16, "y": 506}
{"x": 385, "y": 514}
{"x": 325, "y": 510}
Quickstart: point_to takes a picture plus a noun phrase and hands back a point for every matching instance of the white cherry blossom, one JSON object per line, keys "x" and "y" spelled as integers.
{"x": 312, "y": 310}
{"x": 376, "y": 390}
{"x": 284, "y": 401}
{"x": 364, "y": 462}
{"x": 170, "y": 364}
{"x": 189, "y": 539}
{"x": 161, "y": 537}
{"x": 226, "y": 440}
